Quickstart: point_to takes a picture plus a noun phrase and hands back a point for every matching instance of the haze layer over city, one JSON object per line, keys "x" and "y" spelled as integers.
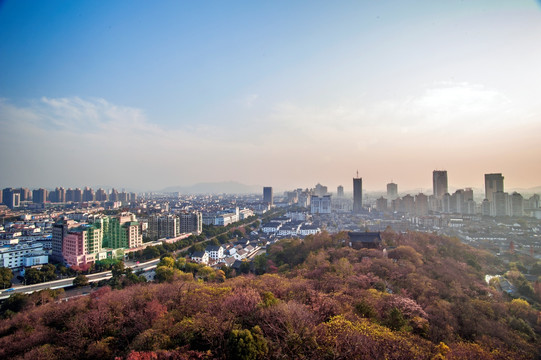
{"x": 146, "y": 96}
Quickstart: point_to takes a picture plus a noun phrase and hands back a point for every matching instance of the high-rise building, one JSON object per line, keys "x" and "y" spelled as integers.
{"x": 69, "y": 195}
{"x": 500, "y": 203}
{"x": 58, "y": 195}
{"x": 340, "y": 191}
{"x": 439, "y": 183}
{"x": 164, "y": 226}
{"x": 191, "y": 223}
{"x": 407, "y": 205}
{"x": 88, "y": 194}
{"x": 39, "y": 196}
{"x": 516, "y": 201}
{"x": 101, "y": 195}
{"x": 59, "y": 231}
{"x": 26, "y": 194}
{"x": 493, "y": 183}
{"x": 421, "y": 204}
{"x": 77, "y": 195}
{"x": 357, "y": 194}
{"x": 392, "y": 191}
{"x": 124, "y": 232}
{"x": 114, "y": 196}
{"x": 11, "y": 198}
{"x": 381, "y": 204}
{"x": 267, "y": 195}
{"x": 320, "y": 190}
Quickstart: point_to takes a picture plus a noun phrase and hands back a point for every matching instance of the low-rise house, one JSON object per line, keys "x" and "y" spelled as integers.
{"x": 308, "y": 229}
{"x": 215, "y": 252}
{"x": 200, "y": 257}
{"x": 370, "y": 240}
{"x": 289, "y": 230}
{"x": 271, "y": 227}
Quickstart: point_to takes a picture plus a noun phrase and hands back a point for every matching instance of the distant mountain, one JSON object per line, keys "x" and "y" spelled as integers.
{"x": 228, "y": 187}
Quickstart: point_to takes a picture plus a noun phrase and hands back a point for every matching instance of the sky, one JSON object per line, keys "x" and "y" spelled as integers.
{"x": 146, "y": 95}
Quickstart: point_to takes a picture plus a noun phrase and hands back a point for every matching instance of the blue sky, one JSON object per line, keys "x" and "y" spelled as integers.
{"x": 284, "y": 93}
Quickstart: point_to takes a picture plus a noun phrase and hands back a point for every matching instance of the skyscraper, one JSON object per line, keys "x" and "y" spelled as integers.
{"x": 340, "y": 191}
{"x": 357, "y": 194}
{"x": 267, "y": 195}
{"x": 493, "y": 183}
{"x": 439, "y": 183}
{"x": 392, "y": 191}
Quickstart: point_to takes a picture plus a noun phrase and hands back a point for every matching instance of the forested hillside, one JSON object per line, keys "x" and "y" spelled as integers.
{"x": 423, "y": 298}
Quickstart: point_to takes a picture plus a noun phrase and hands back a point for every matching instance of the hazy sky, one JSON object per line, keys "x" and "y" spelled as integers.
{"x": 149, "y": 94}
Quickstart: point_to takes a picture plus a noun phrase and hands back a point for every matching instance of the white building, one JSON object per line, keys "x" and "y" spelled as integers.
{"x": 307, "y": 229}
{"x": 271, "y": 227}
{"x": 320, "y": 204}
{"x": 20, "y": 255}
{"x": 200, "y": 257}
{"x": 215, "y": 252}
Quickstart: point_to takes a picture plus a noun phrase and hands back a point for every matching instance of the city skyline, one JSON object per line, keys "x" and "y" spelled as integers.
{"x": 146, "y": 96}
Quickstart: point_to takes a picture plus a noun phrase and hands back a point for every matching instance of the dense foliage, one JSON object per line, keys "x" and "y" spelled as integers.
{"x": 424, "y": 298}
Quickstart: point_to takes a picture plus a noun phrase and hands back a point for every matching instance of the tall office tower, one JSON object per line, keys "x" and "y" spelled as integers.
{"x": 101, "y": 195}
{"x": 439, "y": 183}
{"x": 191, "y": 223}
{"x": 39, "y": 196}
{"x": 340, "y": 191}
{"x": 88, "y": 194}
{"x": 132, "y": 198}
{"x": 493, "y": 183}
{"x": 267, "y": 195}
{"x": 1, "y": 197}
{"x": 357, "y": 194}
{"x": 392, "y": 191}
{"x": 77, "y": 195}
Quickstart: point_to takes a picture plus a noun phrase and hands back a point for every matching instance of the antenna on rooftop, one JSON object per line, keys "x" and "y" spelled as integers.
{"x": 357, "y": 174}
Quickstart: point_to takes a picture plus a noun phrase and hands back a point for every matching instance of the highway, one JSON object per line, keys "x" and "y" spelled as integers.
{"x": 62, "y": 283}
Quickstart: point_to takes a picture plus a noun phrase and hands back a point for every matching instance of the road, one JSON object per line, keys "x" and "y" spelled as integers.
{"x": 62, "y": 283}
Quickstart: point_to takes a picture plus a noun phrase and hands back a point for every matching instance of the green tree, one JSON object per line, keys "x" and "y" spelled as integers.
{"x": 32, "y": 276}
{"x": 395, "y": 319}
{"x": 260, "y": 264}
{"x": 167, "y": 262}
{"x": 247, "y": 345}
{"x": 5, "y": 277}
{"x": 80, "y": 280}
{"x": 118, "y": 269}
